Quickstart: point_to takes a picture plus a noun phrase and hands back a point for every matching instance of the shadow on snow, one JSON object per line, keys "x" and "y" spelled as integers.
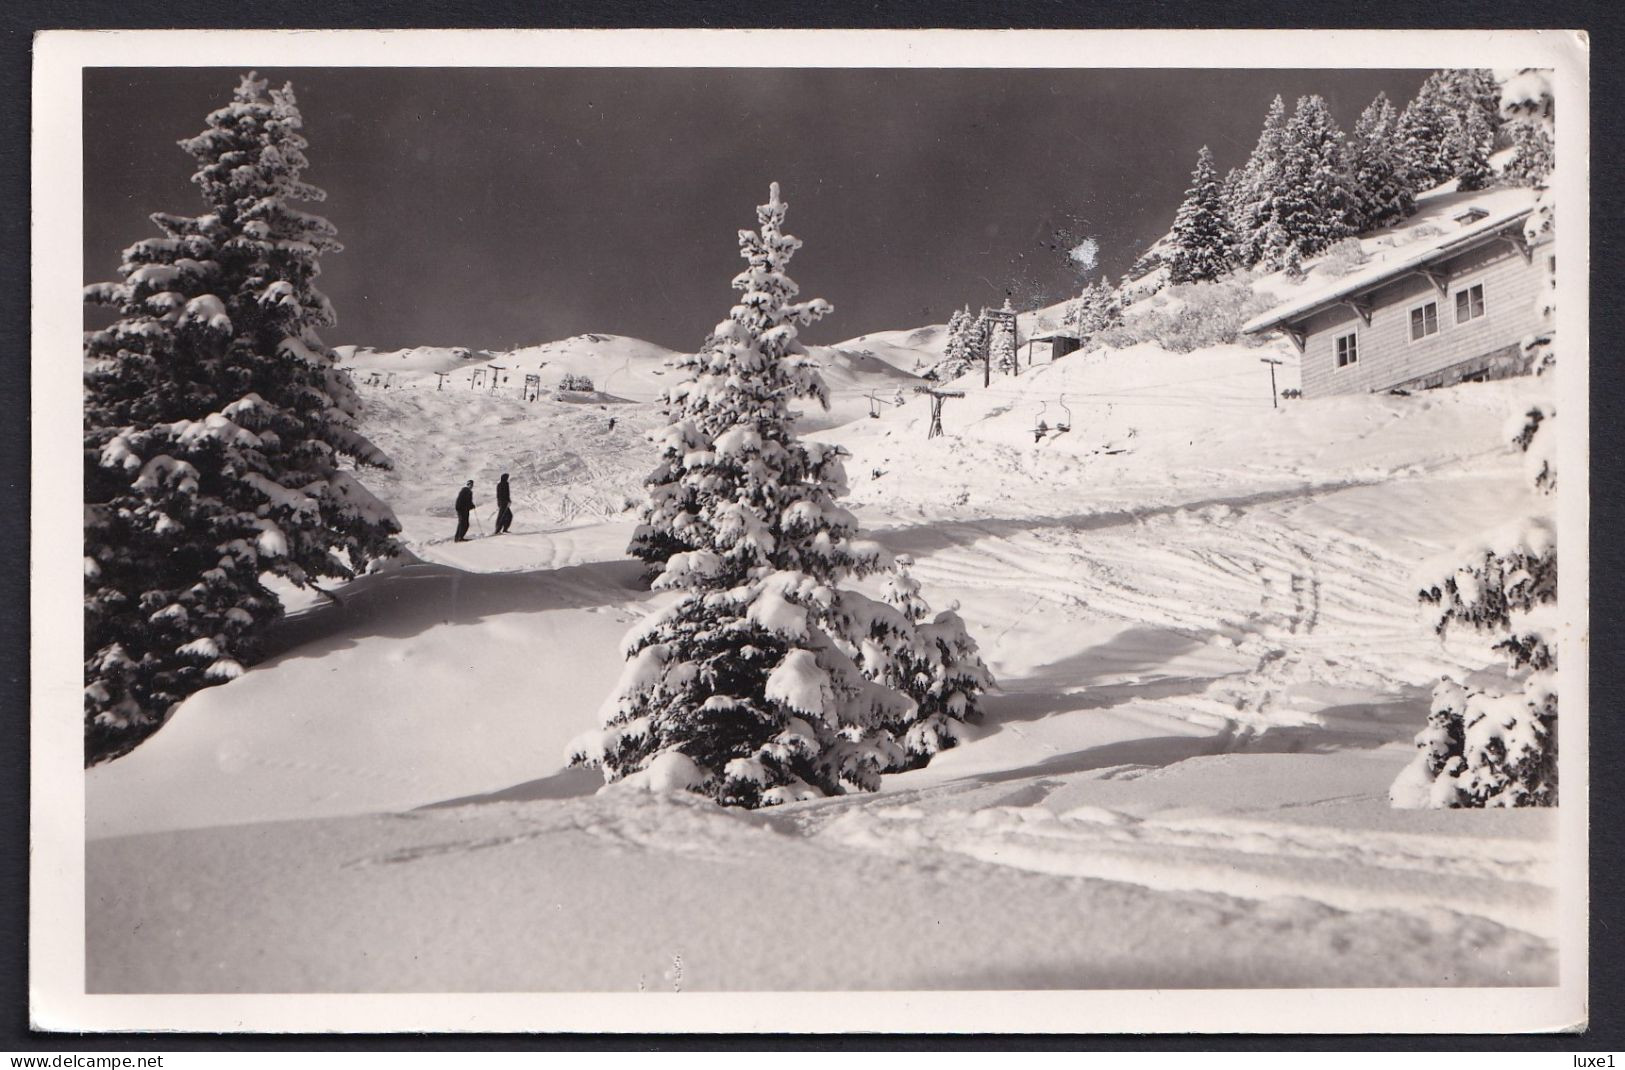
{"x": 406, "y": 601}
{"x": 922, "y": 539}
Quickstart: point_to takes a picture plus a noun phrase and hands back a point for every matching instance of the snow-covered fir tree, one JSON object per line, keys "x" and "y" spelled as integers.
{"x": 1002, "y": 344}
{"x": 216, "y": 427}
{"x": 1484, "y": 746}
{"x": 1249, "y": 194}
{"x": 1096, "y": 309}
{"x": 729, "y": 416}
{"x": 958, "y": 354}
{"x": 1469, "y": 144}
{"x": 1474, "y": 91}
{"x": 1420, "y": 137}
{"x": 1202, "y": 237}
{"x": 1232, "y": 196}
{"x": 979, "y": 340}
{"x": 1381, "y": 193}
{"x": 763, "y": 683}
{"x": 1310, "y": 204}
{"x": 1424, "y": 132}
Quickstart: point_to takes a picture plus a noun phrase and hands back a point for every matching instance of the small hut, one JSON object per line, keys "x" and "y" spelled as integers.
{"x": 1061, "y": 342}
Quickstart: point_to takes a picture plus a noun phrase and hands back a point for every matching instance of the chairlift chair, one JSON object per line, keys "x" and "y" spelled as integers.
{"x": 874, "y": 406}
{"x": 1064, "y": 425}
{"x": 1040, "y": 428}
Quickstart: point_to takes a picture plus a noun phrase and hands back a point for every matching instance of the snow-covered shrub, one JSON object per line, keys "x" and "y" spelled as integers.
{"x": 581, "y": 383}
{"x": 215, "y": 425}
{"x": 766, "y": 682}
{"x": 939, "y": 668}
{"x": 1343, "y": 258}
{"x": 1483, "y": 747}
{"x": 1292, "y": 265}
{"x": 1506, "y": 586}
{"x": 1194, "y": 316}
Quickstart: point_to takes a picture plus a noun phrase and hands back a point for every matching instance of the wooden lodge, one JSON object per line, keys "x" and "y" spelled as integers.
{"x": 1452, "y": 311}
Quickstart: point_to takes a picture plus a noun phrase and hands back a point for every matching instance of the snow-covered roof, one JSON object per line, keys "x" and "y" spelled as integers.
{"x": 1376, "y": 274}
{"x": 1059, "y": 332}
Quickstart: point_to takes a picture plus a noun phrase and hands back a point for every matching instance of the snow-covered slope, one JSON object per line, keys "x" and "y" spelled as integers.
{"x": 1200, "y": 612}
{"x": 627, "y": 368}
{"x": 621, "y": 369}
{"x": 907, "y": 351}
{"x": 571, "y": 459}
{"x": 852, "y": 375}
{"x": 364, "y": 361}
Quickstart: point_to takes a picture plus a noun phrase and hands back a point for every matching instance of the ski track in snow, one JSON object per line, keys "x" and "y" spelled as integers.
{"x": 1298, "y": 604}
{"x": 1508, "y": 882}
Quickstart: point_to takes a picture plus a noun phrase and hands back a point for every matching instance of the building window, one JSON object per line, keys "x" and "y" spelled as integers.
{"x": 1424, "y": 321}
{"x": 1348, "y": 350}
{"x": 1470, "y": 303}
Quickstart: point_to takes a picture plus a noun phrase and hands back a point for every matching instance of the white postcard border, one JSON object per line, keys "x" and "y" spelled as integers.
{"x": 57, "y": 918}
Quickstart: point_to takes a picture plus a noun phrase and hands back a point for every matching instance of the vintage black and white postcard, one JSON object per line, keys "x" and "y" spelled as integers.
{"x": 810, "y": 531}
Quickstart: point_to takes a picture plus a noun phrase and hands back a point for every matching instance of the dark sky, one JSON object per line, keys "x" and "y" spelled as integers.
{"x": 490, "y": 208}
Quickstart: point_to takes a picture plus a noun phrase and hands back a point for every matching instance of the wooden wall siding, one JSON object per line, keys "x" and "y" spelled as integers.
{"x": 1389, "y": 357}
{"x": 1503, "y": 363}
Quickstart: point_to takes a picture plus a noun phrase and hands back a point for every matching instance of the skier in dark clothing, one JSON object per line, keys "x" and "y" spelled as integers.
{"x": 465, "y": 505}
{"x": 504, "y": 514}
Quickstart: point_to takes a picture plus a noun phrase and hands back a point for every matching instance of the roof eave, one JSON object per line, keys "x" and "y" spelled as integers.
{"x": 1337, "y": 297}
